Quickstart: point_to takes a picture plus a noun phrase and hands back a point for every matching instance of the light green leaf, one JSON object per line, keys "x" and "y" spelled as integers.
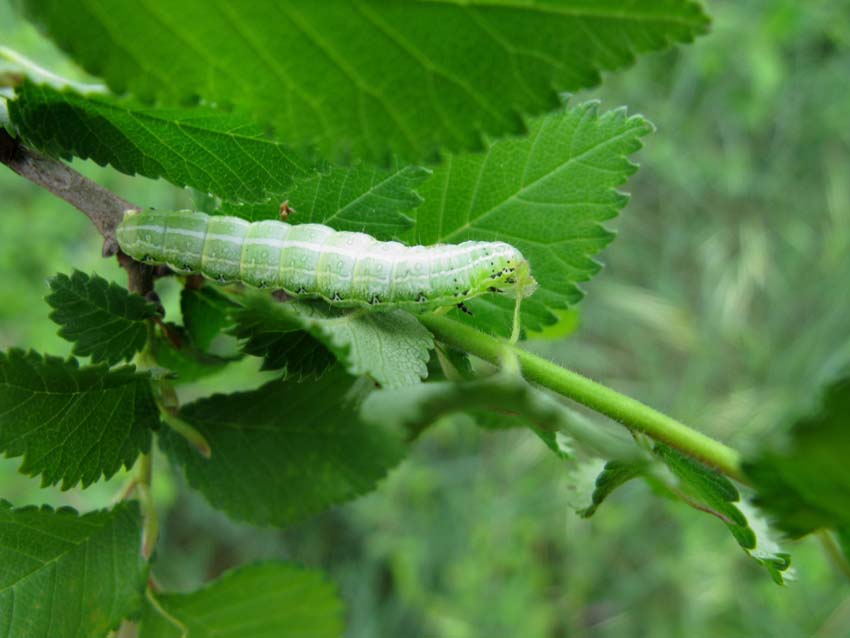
{"x": 358, "y": 199}
{"x": 370, "y": 77}
{"x": 273, "y": 600}
{"x": 101, "y": 318}
{"x": 64, "y": 575}
{"x": 284, "y": 451}
{"x": 804, "y": 483}
{"x": 213, "y": 151}
{"x": 546, "y": 194}
{"x": 392, "y": 347}
{"x": 69, "y": 423}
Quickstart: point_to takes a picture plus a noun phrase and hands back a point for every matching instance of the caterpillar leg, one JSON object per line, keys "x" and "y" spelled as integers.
{"x": 516, "y": 327}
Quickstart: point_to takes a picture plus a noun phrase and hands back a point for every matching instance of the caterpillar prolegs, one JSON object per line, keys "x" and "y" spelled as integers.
{"x": 311, "y": 260}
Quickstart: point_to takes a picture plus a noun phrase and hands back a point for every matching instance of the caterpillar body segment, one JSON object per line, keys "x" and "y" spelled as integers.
{"x": 311, "y": 260}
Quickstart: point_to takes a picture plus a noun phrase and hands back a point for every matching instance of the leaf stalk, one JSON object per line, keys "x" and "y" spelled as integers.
{"x": 630, "y": 412}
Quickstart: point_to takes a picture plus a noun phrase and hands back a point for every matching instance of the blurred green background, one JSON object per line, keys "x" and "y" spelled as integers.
{"x": 725, "y": 300}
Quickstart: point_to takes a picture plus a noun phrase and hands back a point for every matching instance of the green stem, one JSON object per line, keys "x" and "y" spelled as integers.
{"x": 630, "y": 412}
{"x": 150, "y": 525}
{"x": 154, "y": 602}
{"x": 836, "y": 556}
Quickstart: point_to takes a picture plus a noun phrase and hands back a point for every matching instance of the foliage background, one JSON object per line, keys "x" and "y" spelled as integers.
{"x": 723, "y": 302}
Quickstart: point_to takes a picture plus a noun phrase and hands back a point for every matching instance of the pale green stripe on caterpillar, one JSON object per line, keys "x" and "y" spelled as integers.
{"x": 311, "y": 260}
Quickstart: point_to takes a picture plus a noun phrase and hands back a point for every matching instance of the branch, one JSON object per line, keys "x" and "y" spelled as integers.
{"x": 630, "y": 412}
{"x": 103, "y": 208}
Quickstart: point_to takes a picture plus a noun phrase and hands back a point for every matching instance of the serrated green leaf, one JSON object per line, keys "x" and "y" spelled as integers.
{"x": 206, "y": 314}
{"x": 273, "y": 600}
{"x": 186, "y": 362}
{"x": 609, "y": 478}
{"x": 358, "y": 199}
{"x": 270, "y": 332}
{"x": 212, "y": 151}
{"x": 365, "y": 78}
{"x": 392, "y": 347}
{"x": 284, "y": 451}
{"x": 73, "y": 424}
{"x": 711, "y": 492}
{"x": 102, "y": 319}
{"x": 804, "y": 484}
{"x": 64, "y": 575}
{"x": 546, "y": 194}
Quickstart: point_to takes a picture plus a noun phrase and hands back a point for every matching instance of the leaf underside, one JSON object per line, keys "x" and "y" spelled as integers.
{"x": 392, "y": 347}
{"x": 366, "y": 78}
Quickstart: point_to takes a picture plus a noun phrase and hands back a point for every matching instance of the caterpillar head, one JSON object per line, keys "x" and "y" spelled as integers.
{"x": 513, "y": 275}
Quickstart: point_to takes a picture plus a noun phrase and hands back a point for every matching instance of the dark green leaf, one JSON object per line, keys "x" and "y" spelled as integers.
{"x": 844, "y": 543}
{"x": 358, "y": 199}
{"x": 805, "y": 483}
{"x": 270, "y": 332}
{"x": 206, "y": 313}
{"x": 187, "y": 362}
{"x": 63, "y": 575}
{"x": 369, "y": 77}
{"x": 210, "y": 150}
{"x": 284, "y": 451}
{"x": 102, "y": 319}
{"x": 546, "y": 194}
{"x": 612, "y": 476}
{"x": 73, "y": 424}
{"x": 273, "y": 600}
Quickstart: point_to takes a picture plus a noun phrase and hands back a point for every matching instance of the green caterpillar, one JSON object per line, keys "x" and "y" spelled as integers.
{"x": 310, "y": 260}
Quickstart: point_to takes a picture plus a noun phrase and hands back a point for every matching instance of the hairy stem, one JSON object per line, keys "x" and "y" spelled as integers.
{"x": 150, "y": 526}
{"x": 630, "y": 412}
